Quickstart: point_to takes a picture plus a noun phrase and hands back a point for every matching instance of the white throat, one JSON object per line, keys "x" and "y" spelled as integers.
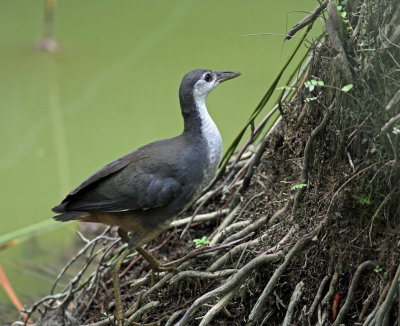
{"x": 213, "y": 138}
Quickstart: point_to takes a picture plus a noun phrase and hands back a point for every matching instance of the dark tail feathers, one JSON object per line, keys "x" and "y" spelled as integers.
{"x": 68, "y": 216}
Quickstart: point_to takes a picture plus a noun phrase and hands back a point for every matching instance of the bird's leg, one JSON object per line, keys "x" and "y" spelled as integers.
{"x": 119, "y": 315}
{"x": 124, "y": 235}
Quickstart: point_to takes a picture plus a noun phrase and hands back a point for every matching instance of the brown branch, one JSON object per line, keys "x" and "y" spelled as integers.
{"x": 307, "y": 20}
{"x": 205, "y": 250}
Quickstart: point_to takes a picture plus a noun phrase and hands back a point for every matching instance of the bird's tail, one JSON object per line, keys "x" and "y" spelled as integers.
{"x": 69, "y": 216}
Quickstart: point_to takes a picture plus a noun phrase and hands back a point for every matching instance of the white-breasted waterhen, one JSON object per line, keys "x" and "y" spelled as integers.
{"x": 143, "y": 191}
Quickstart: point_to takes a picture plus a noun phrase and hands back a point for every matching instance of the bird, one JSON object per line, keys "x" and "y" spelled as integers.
{"x": 142, "y": 192}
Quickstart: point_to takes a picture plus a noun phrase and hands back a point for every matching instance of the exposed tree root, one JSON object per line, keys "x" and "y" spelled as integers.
{"x": 292, "y": 304}
{"x": 230, "y": 285}
{"x": 352, "y": 289}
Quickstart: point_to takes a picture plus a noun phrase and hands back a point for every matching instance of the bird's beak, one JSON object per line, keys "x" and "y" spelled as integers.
{"x": 226, "y": 75}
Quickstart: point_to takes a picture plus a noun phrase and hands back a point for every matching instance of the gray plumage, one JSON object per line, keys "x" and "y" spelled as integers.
{"x": 144, "y": 190}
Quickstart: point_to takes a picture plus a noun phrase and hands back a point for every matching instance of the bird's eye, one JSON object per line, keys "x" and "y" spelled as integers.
{"x": 208, "y": 78}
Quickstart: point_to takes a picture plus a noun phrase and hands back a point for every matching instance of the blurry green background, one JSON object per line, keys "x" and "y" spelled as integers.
{"x": 112, "y": 86}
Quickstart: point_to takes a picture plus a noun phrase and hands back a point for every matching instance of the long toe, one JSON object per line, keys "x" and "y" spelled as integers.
{"x": 167, "y": 268}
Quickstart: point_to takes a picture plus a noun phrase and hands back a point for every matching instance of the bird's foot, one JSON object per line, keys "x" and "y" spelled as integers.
{"x": 190, "y": 255}
{"x": 156, "y": 266}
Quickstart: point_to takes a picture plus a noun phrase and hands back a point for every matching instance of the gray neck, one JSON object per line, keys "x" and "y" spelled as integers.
{"x": 202, "y": 131}
{"x": 190, "y": 113}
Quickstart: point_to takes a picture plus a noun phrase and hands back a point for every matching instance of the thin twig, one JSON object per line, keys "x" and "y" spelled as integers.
{"x": 307, "y": 20}
{"x": 227, "y": 221}
{"x": 73, "y": 259}
{"x": 205, "y": 250}
{"x": 202, "y": 275}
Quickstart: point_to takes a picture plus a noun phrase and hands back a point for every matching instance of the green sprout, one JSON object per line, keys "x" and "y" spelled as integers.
{"x": 298, "y": 186}
{"x": 201, "y": 242}
{"x": 105, "y": 315}
{"x": 363, "y": 200}
{"x": 310, "y": 99}
{"x": 310, "y": 84}
{"x": 378, "y": 269}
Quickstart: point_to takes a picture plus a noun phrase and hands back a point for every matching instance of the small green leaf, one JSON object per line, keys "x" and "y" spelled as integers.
{"x": 343, "y": 14}
{"x": 314, "y": 82}
{"x": 201, "y": 242}
{"x": 378, "y": 269}
{"x": 320, "y": 83}
{"x": 339, "y": 8}
{"x": 298, "y": 186}
{"x": 346, "y": 88}
{"x": 344, "y": 2}
{"x": 311, "y": 88}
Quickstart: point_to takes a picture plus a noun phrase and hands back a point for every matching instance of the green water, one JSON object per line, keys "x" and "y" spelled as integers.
{"x": 112, "y": 87}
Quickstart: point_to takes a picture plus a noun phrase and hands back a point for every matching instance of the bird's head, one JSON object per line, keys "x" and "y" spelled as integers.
{"x": 197, "y": 84}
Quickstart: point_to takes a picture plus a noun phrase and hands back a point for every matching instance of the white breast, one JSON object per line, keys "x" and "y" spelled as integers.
{"x": 214, "y": 141}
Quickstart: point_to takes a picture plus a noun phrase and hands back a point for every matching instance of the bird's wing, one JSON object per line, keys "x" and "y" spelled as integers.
{"x": 136, "y": 181}
{"x": 89, "y": 183}
{"x": 127, "y": 190}
{"x": 102, "y": 173}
